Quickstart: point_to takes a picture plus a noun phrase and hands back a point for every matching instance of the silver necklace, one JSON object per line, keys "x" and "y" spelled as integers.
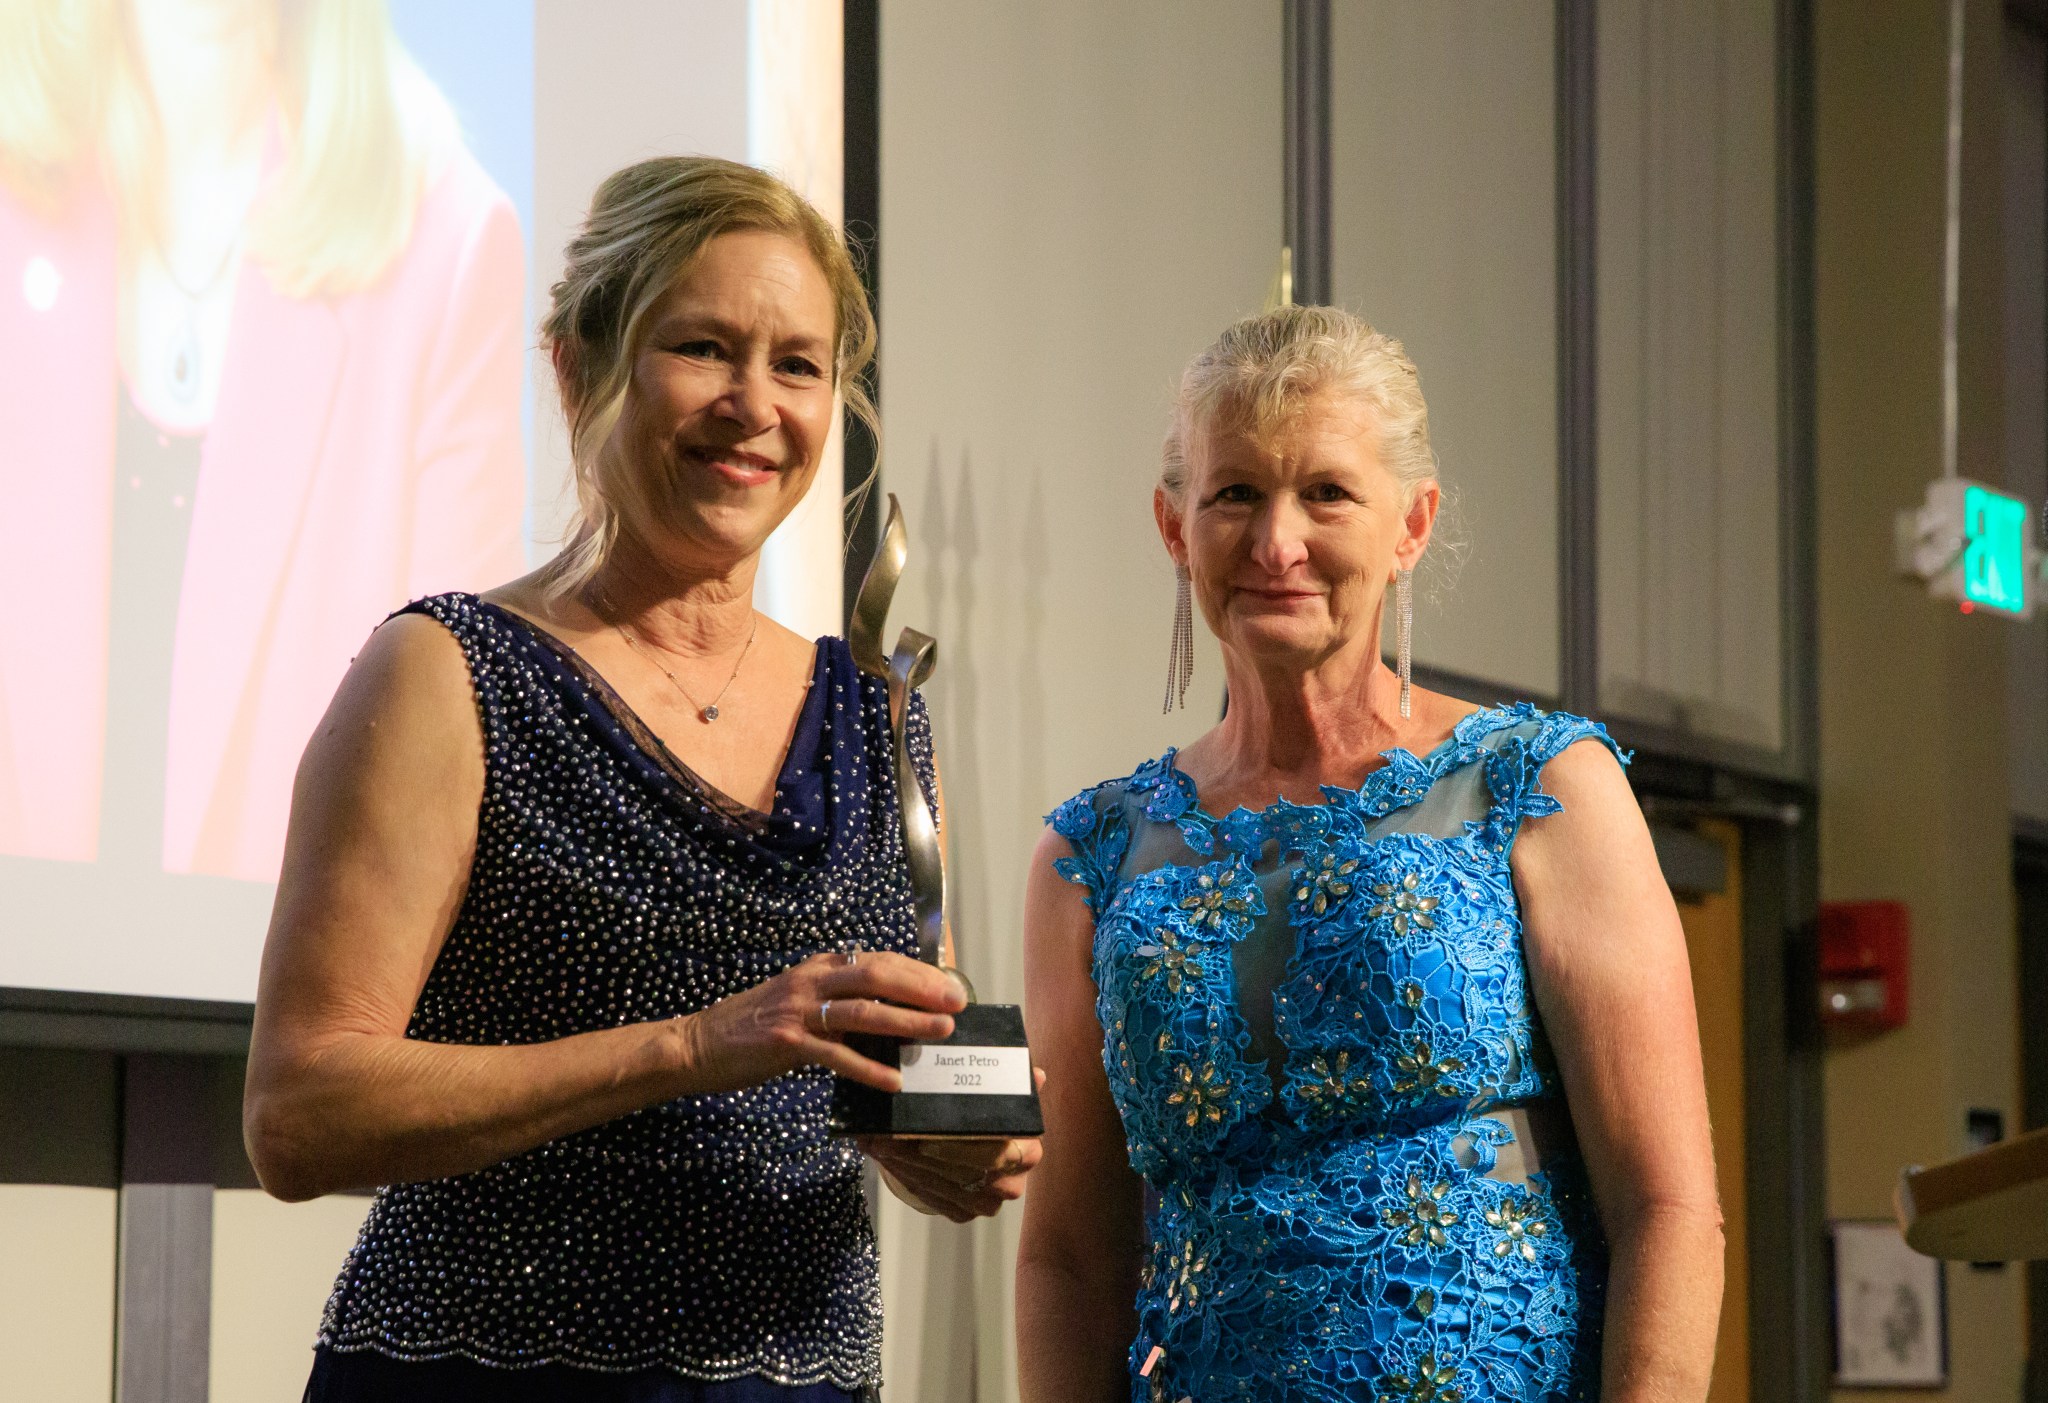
{"x": 706, "y": 714}
{"x": 187, "y": 350}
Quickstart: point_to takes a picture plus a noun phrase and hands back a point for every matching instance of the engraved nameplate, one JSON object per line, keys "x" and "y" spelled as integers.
{"x": 943, "y": 1069}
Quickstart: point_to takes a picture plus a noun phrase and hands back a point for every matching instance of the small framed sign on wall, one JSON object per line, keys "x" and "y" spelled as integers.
{"x": 1891, "y": 1309}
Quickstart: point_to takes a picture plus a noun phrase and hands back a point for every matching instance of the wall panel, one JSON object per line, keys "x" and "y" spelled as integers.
{"x": 2026, "y": 395}
{"x": 1443, "y": 233}
{"x": 1689, "y": 591}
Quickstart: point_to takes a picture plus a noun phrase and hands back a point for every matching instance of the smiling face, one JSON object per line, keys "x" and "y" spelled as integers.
{"x": 731, "y": 401}
{"x": 1291, "y": 537}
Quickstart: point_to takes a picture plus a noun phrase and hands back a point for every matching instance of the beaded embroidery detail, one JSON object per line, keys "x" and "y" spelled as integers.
{"x": 1324, "y": 1226}
{"x": 717, "y": 1236}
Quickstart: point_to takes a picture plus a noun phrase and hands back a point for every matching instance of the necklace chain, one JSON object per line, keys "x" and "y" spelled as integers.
{"x": 706, "y": 714}
{"x": 188, "y": 349}
{"x": 212, "y": 281}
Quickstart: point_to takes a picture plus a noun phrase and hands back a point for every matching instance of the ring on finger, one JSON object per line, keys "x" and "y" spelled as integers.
{"x": 825, "y": 1017}
{"x": 852, "y": 957}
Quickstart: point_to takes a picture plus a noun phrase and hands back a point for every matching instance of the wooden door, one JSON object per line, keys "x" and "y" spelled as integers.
{"x": 1713, "y": 939}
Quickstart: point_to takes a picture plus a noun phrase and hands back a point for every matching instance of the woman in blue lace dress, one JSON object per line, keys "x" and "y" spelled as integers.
{"x": 1372, "y": 1064}
{"x": 589, "y": 875}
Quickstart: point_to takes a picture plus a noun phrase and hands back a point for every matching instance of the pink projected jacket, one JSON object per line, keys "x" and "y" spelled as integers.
{"x": 366, "y": 449}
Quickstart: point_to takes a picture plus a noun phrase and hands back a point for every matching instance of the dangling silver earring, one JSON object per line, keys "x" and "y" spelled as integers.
{"x": 1404, "y": 630}
{"x": 1180, "y": 658}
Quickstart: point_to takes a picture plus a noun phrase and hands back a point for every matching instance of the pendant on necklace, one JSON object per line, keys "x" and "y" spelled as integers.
{"x": 710, "y": 713}
{"x": 185, "y": 375}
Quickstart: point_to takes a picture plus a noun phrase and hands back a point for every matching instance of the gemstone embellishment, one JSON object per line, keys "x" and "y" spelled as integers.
{"x": 1399, "y": 900}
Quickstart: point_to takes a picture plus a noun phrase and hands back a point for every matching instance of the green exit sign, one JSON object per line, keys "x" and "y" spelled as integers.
{"x": 1995, "y": 550}
{"x": 1975, "y": 545}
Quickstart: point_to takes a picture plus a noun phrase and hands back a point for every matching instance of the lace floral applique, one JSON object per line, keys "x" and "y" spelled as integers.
{"x": 1400, "y": 903}
{"x": 1169, "y": 794}
{"x": 1221, "y": 900}
{"x": 1332, "y": 1086}
{"x": 1322, "y": 884}
{"x": 1419, "y": 1072}
{"x": 1201, "y": 1094}
{"x": 1427, "y": 1380}
{"x": 1424, "y": 1220}
{"x": 1174, "y": 1047}
{"x": 1170, "y": 959}
{"x": 1100, "y": 836}
{"x": 1518, "y": 1230}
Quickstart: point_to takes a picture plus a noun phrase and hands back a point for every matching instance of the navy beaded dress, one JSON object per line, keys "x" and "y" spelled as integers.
{"x": 1318, "y": 1032}
{"x": 715, "y": 1249}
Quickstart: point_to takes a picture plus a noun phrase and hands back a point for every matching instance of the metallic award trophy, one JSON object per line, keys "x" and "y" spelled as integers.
{"x": 978, "y": 1082}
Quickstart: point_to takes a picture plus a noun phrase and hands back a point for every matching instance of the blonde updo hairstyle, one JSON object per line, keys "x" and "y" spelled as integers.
{"x": 1260, "y": 373}
{"x": 647, "y": 224}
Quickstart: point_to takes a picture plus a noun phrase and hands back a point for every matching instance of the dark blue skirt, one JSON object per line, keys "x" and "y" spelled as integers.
{"x": 365, "y": 1376}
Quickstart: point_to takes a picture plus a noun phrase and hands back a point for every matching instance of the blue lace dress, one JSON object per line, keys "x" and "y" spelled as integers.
{"x": 1318, "y": 1031}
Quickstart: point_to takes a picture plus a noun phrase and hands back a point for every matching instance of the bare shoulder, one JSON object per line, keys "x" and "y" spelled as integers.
{"x": 782, "y": 638}
{"x": 1059, "y": 984}
{"x": 410, "y": 667}
{"x": 384, "y": 812}
{"x": 1044, "y": 876}
{"x": 1197, "y": 757}
{"x": 1056, "y": 909}
{"x": 1051, "y": 847}
{"x": 1598, "y": 827}
{"x": 1586, "y": 774}
{"x": 405, "y": 707}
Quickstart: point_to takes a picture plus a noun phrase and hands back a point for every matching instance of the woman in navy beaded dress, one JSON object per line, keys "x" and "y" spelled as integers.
{"x": 588, "y": 876}
{"x": 1373, "y": 1069}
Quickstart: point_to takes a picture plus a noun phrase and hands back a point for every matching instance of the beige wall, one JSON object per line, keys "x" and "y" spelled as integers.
{"x": 1076, "y": 197}
{"x": 273, "y": 1265}
{"x": 57, "y": 1292}
{"x": 1913, "y": 754}
{"x": 58, "y": 1169}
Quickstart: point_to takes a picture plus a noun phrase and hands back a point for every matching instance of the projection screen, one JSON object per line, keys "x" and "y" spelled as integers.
{"x": 269, "y": 273}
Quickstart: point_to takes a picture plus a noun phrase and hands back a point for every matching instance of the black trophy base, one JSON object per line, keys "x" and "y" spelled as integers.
{"x": 982, "y": 1060}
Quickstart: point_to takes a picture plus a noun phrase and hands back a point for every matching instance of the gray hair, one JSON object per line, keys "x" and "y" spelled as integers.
{"x": 1258, "y": 374}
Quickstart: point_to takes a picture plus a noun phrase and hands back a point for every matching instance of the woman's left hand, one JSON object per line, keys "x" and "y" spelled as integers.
{"x": 958, "y": 1179}
{"x": 962, "y": 1179}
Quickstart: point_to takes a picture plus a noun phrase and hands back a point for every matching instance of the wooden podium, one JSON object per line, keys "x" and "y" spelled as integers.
{"x": 1991, "y": 1206}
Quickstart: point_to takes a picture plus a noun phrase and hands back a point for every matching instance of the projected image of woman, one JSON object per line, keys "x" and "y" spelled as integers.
{"x": 259, "y": 383}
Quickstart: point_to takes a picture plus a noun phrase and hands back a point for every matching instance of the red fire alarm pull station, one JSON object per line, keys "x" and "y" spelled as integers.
{"x": 1865, "y": 954}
